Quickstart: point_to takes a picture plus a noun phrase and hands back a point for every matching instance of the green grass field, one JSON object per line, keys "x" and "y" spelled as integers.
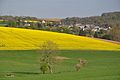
{"x": 24, "y": 65}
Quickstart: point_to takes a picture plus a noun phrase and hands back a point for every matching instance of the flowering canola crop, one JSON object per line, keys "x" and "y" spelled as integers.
{"x": 26, "y": 39}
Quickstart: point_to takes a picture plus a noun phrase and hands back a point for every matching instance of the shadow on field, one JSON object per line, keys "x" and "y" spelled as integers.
{"x": 63, "y": 72}
{"x": 27, "y": 73}
{"x": 36, "y": 73}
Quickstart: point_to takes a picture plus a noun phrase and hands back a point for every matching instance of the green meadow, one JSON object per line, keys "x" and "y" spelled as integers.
{"x": 24, "y": 65}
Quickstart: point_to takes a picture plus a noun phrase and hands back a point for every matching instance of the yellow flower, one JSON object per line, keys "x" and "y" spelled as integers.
{"x": 24, "y": 39}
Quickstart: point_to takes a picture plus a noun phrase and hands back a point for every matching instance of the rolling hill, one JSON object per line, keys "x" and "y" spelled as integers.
{"x": 25, "y": 39}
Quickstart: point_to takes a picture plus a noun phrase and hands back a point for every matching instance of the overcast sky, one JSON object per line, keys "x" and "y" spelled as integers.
{"x": 58, "y": 8}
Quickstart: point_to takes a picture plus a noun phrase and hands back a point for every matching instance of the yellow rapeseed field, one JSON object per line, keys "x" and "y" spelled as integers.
{"x": 24, "y": 39}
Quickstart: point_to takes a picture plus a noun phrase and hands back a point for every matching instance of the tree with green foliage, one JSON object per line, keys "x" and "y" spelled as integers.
{"x": 96, "y": 35}
{"x": 47, "y": 59}
{"x": 82, "y": 32}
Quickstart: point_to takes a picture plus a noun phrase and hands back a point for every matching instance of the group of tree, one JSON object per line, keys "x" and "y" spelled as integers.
{"x": 48, "y": 59}
{"x": 105, "y": 20}
{"x": 115, "y": 32}
{"x": 68, "y": 25}
{"x": 21, "y": 21}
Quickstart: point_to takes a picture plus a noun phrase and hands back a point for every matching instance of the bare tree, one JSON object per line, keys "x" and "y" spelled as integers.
{"x": 81, "y": 63}
{"x": 78, "y": 66}
{"x": 115, "y": 32}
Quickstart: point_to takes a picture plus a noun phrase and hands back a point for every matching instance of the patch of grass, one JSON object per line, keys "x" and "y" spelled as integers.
{"x": 24, "y": 65}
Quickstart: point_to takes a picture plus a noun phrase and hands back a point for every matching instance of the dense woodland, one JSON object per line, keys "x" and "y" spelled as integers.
{"x": 106, "y": 26}
{"x": 105, "y": 18}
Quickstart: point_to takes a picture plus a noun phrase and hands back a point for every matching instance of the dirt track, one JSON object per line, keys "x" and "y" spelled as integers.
{"x": 115, "y": 42}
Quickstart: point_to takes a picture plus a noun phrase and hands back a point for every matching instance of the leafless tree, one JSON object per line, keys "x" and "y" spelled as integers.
{"x": 81, "y": 63}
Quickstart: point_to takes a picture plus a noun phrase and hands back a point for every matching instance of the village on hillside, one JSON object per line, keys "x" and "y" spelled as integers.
{"x": 95, "y": 26}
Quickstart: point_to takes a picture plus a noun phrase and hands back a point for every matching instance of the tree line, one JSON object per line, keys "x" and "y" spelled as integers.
{"x": 70, "y": 25}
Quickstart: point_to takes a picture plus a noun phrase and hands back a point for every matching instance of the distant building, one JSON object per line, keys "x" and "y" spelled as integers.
{"x": 43, "y": 22}
{"x": 27, "y": 24}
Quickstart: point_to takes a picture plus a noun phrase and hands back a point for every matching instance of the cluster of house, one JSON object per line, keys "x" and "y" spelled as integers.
{"x": 79, "y": 25}
{"x": 91, "y": 27}
{"x": 26, "y": 22}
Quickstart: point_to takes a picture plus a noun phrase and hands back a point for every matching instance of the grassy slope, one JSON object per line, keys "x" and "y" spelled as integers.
{"x": 102, "y": 65}
{"x": 14, "y": 38}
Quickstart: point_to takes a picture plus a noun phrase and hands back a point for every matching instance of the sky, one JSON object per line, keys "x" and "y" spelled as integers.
{"x": 58, "y": 8}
